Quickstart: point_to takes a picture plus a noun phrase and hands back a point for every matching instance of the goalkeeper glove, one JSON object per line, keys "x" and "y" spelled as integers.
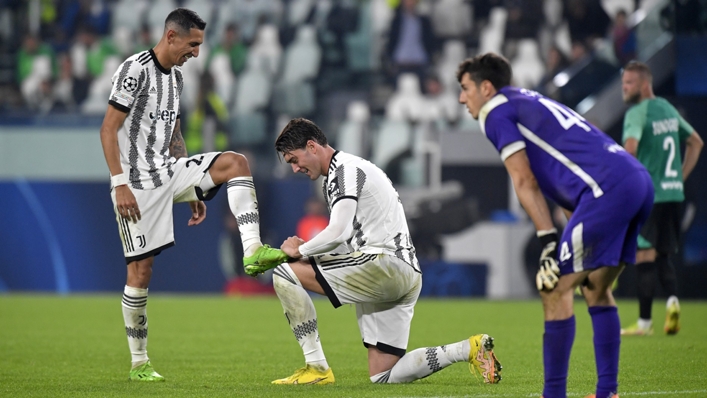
{"x": 549, "y": 273}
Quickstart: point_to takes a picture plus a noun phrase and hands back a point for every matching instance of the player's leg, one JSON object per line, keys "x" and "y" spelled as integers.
{"x": 559, "y": 333}
{"x": 422, "y": 362}
{"x": 606, "y": 325}
{"x": 646, "y": 277}
{"x": 142, "y": 240}
{"x": 290, "y": 281}
{"x": 199, "y": 177}
{"x": 670, "y": 217}
{"x": 135, "y": 318}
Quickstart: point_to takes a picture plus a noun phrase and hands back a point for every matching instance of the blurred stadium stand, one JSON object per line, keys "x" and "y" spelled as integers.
{"x": 272, "y": 60}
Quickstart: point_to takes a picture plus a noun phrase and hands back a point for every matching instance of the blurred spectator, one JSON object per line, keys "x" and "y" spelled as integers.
{"x": 206, "y": 130}
{"x": 587, "y": 20}
{"x": 579, "y": 52}
{"x": 144, "y": 41}
{"x": 89, "y": 52}
{"x": 524, "y": 19}
{"x": 249, "y": 15}
{"x": 93, "y": 14}
{"x": 555, "y": 62}
{"x": 444, "y": 103}
{"x": 66, "y": 87}
{"x": 231, "y": 45}
{"x": 35, "y": 69}
{"x": 410, "y": 41}
{"x": 624, "y": 39}
{"x": 314, "y": 220}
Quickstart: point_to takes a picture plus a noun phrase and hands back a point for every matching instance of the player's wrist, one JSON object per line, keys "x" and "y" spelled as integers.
{"x": 118, "y": 180}
{"x": 547, "y": 236}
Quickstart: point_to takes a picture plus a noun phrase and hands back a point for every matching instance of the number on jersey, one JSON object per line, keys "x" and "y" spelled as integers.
{"x": 565, "y": 116}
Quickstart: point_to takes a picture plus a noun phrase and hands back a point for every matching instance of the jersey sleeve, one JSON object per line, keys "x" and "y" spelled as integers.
{"x": 633, "y": 123}
{"x": 126, "y": 82}
{"x": 684, "y": 128}
{"x": 502, "y": 131}
{"x": 347, "y": 183}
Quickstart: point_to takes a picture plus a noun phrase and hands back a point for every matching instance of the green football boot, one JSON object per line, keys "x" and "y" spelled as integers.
{"x": 263, "y": 259}
{"x": 145, "y": 372}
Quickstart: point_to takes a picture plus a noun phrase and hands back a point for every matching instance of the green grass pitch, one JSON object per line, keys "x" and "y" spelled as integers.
{"x": 212, "y": 346}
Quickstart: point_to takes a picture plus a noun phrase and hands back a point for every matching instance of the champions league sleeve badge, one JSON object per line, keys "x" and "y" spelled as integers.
{"x": 130, "y": 84}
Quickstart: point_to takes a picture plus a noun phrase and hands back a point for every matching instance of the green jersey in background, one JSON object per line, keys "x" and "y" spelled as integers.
{"x": 659, "y": 129}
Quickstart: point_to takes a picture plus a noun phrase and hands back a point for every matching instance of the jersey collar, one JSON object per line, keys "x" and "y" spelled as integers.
{"x": 157, "y": 63}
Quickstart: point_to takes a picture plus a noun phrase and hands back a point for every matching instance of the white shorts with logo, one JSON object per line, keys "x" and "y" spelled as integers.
{"x": 384, "y": 289}
{"x": 154, "y": 231}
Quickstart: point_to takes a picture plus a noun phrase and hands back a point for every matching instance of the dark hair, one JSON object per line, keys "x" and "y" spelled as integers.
{"x": 489, "y": 66}
{"x": 638, "y": 67}
{"x": 296, "y": 135}
{"x": 185, "y": 20}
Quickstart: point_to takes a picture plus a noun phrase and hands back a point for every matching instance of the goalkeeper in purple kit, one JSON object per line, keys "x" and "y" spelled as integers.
{"x": 551, "y": 151}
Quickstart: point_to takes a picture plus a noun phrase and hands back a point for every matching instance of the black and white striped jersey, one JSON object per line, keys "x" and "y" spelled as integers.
{"x": 380, "y": 225}
{"x": 149, "y": 94}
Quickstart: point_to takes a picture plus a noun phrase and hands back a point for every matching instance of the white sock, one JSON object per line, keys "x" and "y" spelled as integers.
{"x": 645, "y": 324}
{"x": 244, "y": 206}
{"x": 672, "y": 300}
{"x": 135, "y": 317}
{"x": 301, "y": 315}
{"x": 422, "y": 362}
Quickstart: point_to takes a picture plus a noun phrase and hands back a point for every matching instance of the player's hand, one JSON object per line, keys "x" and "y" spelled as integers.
{"x": 549, "y": 273}
{"x": 198, "y": 212}
{"x": 126, "y": 204}
{"x": 291, "y": 246}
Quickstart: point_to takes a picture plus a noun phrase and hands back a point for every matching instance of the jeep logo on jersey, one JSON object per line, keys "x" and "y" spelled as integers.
{"x": 165, "y": 116}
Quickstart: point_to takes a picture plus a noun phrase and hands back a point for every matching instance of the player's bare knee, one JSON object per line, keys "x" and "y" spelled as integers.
{"x": 237, "y": 164}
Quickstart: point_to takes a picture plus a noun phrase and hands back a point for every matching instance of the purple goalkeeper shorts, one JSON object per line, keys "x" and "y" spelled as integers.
{"x": 603, "y": 231}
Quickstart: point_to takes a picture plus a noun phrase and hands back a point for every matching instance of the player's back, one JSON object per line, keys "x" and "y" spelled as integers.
{"x": 569, "y": 156}
{"x": 380, "y": 225}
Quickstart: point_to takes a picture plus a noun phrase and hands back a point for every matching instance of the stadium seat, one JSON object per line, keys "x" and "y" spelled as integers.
{"x": 359, "y": 44}
{"x": 248, "y": 129}
{"x": 492, "y": 35}
{"x": 100, "y": 88}
{"x": 156, "y": 14}
{"x": 267, "y": 49}
{"x": 253, "y": 90}
{"x": 453, "y": 53}
{"x": 353, "y": 132}
{"x": 408, "y": 103}
{"x": 394, "y": 138}
{"x": 298, "y": 11}
{"x": 528, "y": 67}
{"x": 451, "y": 18}
{"x": 302, "y": 57}
{"x": 297, "y": 98}
{"x": 129, "y": 15}
{"x": 220, "y": 69}
{"x": 203, "y": 8}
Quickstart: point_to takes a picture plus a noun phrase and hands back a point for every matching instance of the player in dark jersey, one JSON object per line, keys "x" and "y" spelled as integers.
{"x": 653, "y": 132}
{"x": 551, "y": 151}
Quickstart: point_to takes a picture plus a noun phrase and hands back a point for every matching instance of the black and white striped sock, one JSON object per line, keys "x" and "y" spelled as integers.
{"x": 135, "y": 317}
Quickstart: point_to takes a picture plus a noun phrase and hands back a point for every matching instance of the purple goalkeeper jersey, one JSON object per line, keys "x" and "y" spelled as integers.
{"x": 569, "y": 156}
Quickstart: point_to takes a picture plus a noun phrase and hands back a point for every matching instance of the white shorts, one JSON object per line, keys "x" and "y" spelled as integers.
{"x": 384, "y": 289}
{"x": 154, "y": 231}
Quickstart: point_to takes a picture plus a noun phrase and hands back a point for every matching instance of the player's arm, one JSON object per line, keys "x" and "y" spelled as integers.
{"x": 528, "y": 191}
{"x": 177, "y": 147}
{"x": 338, "y": 231}
{"x": 631, "y": 146}
{"x": 125, "y": 200}
{"x": 533, "y": 201}
{"x": 693, "y": 147}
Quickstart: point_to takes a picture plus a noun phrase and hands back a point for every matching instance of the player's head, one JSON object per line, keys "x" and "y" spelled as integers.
{"x": 302, "y": 145}
{"x": 636, "y": 82}
{"x": 183, "y": 33}
{"x": 480, "y": 78}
